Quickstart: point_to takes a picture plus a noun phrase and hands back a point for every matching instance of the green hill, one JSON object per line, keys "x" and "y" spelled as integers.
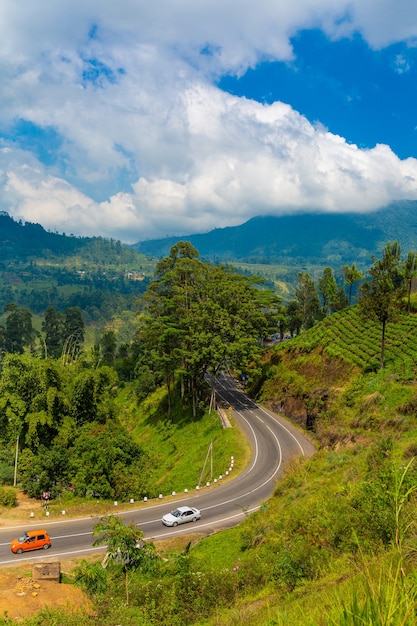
{"x": 310, "y": 238}
{"x": 39, "y": 269}
{"x": 337, "y": 543}
{"x": 27, "y": 241}
{"x": 346, "y": 335}
{"x": 316, "y": 376}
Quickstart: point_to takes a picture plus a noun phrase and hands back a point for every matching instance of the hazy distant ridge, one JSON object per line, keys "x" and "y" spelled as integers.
{"x": 321, "y": 238}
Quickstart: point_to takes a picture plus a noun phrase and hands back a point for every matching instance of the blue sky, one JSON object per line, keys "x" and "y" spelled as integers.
{"x": 142, "y": 120}
{"x": 367, "y": 96}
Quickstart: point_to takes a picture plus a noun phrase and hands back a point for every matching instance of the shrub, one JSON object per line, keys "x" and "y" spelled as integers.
{"x": 92, "y": 577}
{"x": 7, "y": 497}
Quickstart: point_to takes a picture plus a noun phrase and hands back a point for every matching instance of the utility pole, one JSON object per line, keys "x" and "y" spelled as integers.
{"x": 209, "y": 452}
{"x": 15, "y": 462}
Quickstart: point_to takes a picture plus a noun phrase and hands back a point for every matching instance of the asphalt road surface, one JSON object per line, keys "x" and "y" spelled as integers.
{"x": 273, "y": 441}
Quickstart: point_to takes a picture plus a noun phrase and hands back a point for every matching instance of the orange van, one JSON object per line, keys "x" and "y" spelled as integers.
{"x": 31, "y": 540}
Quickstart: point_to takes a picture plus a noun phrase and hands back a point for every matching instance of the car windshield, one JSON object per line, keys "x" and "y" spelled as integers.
{"x": 176, "y": 513}
{"x": 23, "y": 538}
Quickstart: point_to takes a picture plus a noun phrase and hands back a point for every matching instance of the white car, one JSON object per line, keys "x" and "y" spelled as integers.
{"x": 181, "y": 515}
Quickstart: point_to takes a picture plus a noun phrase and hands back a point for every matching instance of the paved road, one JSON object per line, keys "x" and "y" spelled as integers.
{"x": 273, "y": 442}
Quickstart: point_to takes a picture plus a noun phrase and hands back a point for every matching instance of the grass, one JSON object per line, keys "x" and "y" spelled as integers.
{"x": 183, "y": 453}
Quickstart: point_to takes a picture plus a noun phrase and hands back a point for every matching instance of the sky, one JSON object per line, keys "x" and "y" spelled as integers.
{"x": 139, "y": 120}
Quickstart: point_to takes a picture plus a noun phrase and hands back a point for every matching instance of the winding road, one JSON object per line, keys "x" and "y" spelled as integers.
{"x": 273, "y": 442}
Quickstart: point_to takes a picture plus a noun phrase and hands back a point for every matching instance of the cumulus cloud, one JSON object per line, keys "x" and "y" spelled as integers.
{"x": 147, "y": 145}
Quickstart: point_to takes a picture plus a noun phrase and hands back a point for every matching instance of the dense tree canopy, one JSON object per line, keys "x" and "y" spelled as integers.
{"x": 69, "y": 437}
{"x": 199, "y": 318}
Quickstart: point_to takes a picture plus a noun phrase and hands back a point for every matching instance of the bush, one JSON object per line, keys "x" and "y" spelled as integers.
{"x": 7, "y": 497}
{"x": 6, "y": 474}
{"x": 92, "y": 577}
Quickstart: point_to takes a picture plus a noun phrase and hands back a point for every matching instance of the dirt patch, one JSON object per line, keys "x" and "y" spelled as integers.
{"x": 21, "y": 513}
{"x": 21, "y": 596}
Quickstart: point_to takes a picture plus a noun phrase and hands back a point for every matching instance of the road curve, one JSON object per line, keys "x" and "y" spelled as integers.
{"x": 273, "y": 442}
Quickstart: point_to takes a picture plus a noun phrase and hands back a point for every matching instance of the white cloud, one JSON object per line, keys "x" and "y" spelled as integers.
{"x": 130, "y": 94}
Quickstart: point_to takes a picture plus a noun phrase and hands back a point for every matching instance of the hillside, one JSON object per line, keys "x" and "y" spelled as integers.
{"x": 22, "y": 241}
{"x": 325, "y": 239}
{"x": 328, "y": 378}
{"x": 40, "y": 269}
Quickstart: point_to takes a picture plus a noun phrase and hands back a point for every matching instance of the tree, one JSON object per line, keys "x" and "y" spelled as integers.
{"x": 198, "y": 319}
{"x": 273, "y": 310}
{"x": 53, "y": 327}
{"x": 89, "y": 394}
{"x": 294, "y": 320}
{"x": 73, "y": 334}
{"x": 308, "y": 300}
{"x": 45, "y": 470}
{"x": 229, "y": 318}
{"x": 410, "y": 272}
{"x": 3, "y": 341}
{"x": 380, "y": 297}
{"x": 327, "y": 289}
{"x": 108, "y": 345}
{"x": 351, "y": 275}
{"x": 107, "y": 463}
{"x": 125, "y": 546}
{"x": 19, "y": 329}
{"x": 182, "y": 249}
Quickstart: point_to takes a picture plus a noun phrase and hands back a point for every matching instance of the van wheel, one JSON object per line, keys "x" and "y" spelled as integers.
{"x": 194, "y": 519}
{"x": 46, "y": 546}
{"x": 19, "y": 551}
{"x": 175, "y": 524}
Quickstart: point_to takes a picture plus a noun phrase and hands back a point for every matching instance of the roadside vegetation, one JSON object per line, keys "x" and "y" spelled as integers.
{"x": 336, "y": 544}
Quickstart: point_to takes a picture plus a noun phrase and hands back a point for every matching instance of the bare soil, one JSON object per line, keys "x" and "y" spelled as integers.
{"x": 22, "y": 597}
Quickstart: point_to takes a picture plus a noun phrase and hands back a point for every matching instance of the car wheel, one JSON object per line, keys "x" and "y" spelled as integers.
{"x": 46, "y": 546}
{"x": 175, "y": 524}
{"x": 194, "y": 519}
{"x": 19, "y": 551}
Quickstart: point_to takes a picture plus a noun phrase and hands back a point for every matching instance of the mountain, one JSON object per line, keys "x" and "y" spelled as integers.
{"x": 21, "y": 242}
{"x": 24, "y": 240}
{"x": 325, "y": 238}
{"x": 39, "y": 269}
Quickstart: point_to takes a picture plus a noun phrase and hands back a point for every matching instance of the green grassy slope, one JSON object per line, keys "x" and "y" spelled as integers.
{"x": 348, "y": 336}
{"x": 177, "y": 450}
{"x": 328, "y": 379}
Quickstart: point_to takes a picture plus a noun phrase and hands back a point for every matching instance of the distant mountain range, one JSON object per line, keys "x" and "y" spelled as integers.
{"x": 320, "y": 239}
{"x": 292, "y": 240}
{"x": 26, "y": 240}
